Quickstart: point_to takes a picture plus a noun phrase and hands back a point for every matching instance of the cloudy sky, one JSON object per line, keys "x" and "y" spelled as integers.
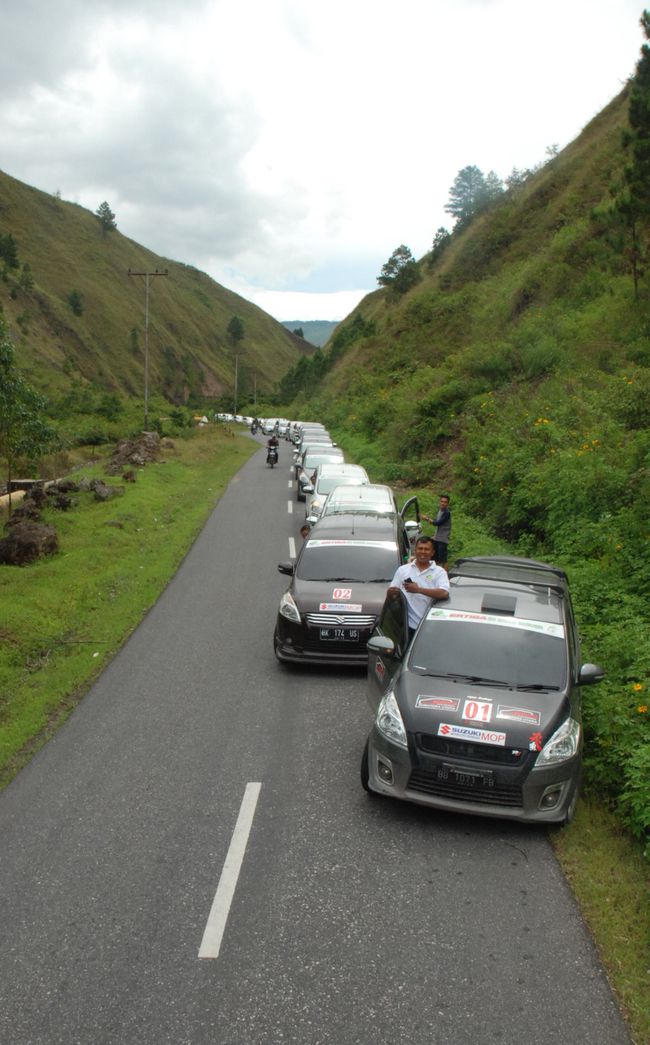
{"x": 287, "y": 147}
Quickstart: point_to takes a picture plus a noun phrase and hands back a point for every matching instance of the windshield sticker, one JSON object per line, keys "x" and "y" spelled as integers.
{"x": 478, "y": 736}
{"x": 477, "y": 710}
{"x": 390, "y": 545}
{"x": 348, "y": 607}
{"x": 555, "y": 631}
{"x": 437, "y": 703}
{"x": 341, "y": 593}
{"x": 519, "y": 715}
{"x": 535, "y": 742}
{"x": 380, "y": 669}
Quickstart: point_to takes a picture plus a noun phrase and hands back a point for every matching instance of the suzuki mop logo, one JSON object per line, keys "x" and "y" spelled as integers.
{"x": 478, "y": 736}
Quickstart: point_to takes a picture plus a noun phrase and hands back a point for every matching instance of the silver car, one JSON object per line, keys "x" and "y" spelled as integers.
{"x": 329, "y": 476}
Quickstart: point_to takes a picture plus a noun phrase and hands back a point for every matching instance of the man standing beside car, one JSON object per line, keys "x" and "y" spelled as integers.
{"x": 442, "y": 523}
{"x": 421, "y": 580}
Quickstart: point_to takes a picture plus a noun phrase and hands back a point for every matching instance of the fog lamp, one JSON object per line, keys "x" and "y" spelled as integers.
{"x": 384, "y": 771}
{"x": 550, "y": 798}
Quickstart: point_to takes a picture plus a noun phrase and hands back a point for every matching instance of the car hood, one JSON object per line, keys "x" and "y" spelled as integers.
{"x": 339, "y": 597}
{"x": 479, "y": 714}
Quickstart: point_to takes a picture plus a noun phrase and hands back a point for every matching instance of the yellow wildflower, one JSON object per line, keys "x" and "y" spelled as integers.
{"x": 637, "y": 687}
{"x": 642, "y": 709}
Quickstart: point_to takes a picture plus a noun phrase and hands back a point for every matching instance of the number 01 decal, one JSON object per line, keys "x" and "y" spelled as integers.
{"x": 477, "y": 710}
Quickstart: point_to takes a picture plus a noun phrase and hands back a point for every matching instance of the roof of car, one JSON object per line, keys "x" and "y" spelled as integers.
{"x": 510, "y": 586}
{"x": 355, "y": 526}
{"x": 366, "y": 492}
{"x": 340, "y": 468}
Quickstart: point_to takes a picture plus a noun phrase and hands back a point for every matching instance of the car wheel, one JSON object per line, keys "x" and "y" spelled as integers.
{"x": 571, "y": 808}
{"x": 365, "y": 772}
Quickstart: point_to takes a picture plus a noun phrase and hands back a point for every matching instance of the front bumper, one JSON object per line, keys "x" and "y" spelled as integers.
{"x": 540, "y": 796}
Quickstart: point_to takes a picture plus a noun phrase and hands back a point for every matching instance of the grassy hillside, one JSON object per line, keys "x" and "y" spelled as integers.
{"x": 516, "y": 375}
{"x": 190, "y": 350}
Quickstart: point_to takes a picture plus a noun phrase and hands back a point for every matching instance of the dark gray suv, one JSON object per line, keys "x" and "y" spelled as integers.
{"x": 481, "y": 713}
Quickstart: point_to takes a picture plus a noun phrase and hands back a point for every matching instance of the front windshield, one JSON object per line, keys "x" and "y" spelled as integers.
{"x": 362, "y": 561}
{"x": 503, "y": 650}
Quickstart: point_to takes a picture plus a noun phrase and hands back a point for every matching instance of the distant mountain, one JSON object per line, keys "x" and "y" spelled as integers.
{"x": 74, "y": 313}
{"x": 316, "y": 331}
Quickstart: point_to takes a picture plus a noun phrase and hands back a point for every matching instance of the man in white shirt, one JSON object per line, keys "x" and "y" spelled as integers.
{"x": 421, "y": 581}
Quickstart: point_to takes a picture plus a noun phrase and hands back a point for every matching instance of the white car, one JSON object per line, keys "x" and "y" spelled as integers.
{"x": 329, "y": 476}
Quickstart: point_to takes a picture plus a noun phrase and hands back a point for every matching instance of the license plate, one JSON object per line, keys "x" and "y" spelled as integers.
{"x": 340, "y": 634}
{"x": 466, "y": 777}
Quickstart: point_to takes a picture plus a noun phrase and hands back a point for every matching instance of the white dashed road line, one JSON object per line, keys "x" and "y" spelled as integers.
{"x": 292, "y": 548}
{"x": 216, "y": 925}
{"x": 290, "y": 507}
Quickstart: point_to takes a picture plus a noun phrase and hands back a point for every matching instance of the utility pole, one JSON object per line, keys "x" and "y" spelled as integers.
{"x": 147, "y": 278}
{"x": 234, "y": 412}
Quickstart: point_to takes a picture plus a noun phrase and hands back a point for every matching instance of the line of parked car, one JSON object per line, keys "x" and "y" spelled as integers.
{"x": 480, "y": 711}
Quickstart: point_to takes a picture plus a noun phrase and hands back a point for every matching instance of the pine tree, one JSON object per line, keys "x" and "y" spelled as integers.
{"x": 106, "y": 217}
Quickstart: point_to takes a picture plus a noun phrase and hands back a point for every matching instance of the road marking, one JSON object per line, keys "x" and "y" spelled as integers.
{"x": 292, "y": 548}
{"x": 290, "y": 507}
{"x": 290, "y": 484}
{"x": 216, "y": 924}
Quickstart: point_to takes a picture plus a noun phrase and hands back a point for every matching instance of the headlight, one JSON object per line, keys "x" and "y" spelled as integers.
{"x": 389, "y": 720}
{"x": 315, "y": 507}
{"x": 288, "y": 608}
{"x": 563, "y": 744}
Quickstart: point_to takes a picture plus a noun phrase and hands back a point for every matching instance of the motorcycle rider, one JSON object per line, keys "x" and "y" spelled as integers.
{"x": 273, "y": 442}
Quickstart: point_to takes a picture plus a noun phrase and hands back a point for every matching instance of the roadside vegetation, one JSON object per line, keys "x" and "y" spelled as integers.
{"x": 64, "y": 617}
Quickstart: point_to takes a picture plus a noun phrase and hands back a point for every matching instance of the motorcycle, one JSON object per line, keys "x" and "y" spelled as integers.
{"x": 254, "y": 429}
{"x": 272, "y": 456}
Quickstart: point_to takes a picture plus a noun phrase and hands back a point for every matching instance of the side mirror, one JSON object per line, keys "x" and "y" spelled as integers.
{"x": 413, "y": 530}
{"x": 286, "y": 567}
{"x": 307, "y": 488}
{"x": 311, "y": 519}
{"x": 589, "y": 674}
{"x": 383, "y": 646}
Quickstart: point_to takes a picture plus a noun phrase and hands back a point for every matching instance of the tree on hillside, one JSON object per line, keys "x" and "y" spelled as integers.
{"x": 299, "y": 332}
{"x": 106, "y": 217}
{"x": 441, "y": 241}
{"x": 400, "y": 272}
{"x": 25, "y": 435}
{"x": 9, "y": 250}
{"x": 471, "y": 193}
{"x": 235, "y": 329}
{"x": 630, "y": 210}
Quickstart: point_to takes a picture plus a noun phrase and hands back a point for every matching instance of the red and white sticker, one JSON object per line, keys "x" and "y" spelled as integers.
{"x": 341, "y": 593}
{"x": 380, "y": 669}
{"x": 477, "y": 736}
{"x": 437, "y": 703}
{"x": 535, "y": 742}
{"x": 475, "y": 710}
{"x": 532, "y": 718}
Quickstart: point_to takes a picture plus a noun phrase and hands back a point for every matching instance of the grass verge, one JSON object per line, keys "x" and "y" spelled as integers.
{"x": 610, "y": 879}
{"x": 64, "y": 617}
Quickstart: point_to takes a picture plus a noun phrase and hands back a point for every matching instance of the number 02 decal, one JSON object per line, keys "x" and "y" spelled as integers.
{"x": 477, "y": 710}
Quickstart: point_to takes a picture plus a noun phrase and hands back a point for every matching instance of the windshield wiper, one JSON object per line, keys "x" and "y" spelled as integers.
{"x": 462, "y": 678}
{"x": 535, "y": 686}
{"x": 326, "y": 580}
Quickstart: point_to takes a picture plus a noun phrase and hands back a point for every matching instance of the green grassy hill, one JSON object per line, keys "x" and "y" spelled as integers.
{"x": 190, "y": 350}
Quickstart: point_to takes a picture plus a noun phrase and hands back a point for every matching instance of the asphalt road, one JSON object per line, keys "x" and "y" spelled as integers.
{"x": 353, "y": 920}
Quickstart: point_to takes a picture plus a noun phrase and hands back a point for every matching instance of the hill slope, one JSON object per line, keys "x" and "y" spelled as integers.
{"x": 190, "y": 350}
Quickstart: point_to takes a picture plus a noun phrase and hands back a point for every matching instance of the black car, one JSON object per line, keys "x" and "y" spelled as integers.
{"x": 338, "y": 587}
{"x": 481, "y": 713}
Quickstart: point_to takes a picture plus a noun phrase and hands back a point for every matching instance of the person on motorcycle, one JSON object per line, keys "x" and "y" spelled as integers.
{"x": 273, "y": 442}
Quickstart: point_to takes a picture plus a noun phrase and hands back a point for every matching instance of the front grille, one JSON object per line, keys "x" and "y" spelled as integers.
{"x": 486, "y": 753}
{"x": 499, "y": 795}
{"x": 328, "y": 620}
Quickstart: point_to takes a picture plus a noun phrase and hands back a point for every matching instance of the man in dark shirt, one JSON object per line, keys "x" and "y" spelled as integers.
{"x": 442, "y": 523}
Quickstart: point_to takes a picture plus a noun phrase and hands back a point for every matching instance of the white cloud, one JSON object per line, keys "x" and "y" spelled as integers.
{"x": 289, "y": 147}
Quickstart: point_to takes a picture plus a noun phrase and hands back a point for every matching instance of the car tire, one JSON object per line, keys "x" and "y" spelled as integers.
{"x": 365, "y": 770}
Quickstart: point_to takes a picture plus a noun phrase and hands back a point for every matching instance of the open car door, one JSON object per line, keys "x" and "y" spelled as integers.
{"x": 386, "y": 647}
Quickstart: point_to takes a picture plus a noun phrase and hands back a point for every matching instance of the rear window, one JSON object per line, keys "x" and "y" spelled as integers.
{"x": 334, "y": 560}
{"x": 311, "y": 460}
{"x": 505, "y": 649}
{"x": 329, "y": 482}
